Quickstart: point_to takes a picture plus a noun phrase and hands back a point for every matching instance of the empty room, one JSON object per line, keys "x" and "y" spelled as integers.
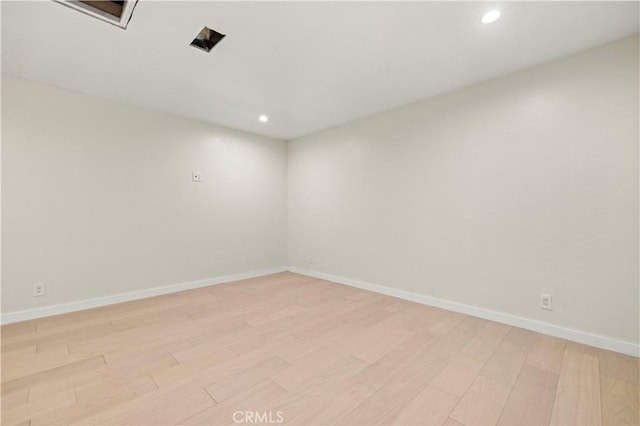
{"x": 320, "y": 213}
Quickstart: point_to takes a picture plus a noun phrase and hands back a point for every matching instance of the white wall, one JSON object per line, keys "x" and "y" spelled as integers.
{"x": 488, "y": 196}
{"x": 97, "y": 198}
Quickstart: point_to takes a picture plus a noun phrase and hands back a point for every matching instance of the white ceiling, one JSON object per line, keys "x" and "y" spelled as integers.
{"x": 308, "y": 66}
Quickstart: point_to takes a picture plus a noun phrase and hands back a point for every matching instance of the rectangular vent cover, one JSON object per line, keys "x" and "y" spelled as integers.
{"x": 114, "y": 12}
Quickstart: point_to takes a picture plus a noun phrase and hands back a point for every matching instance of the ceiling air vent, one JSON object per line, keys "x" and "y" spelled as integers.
{"x": 207, "y": 39}
{"x": 114, "y": 12}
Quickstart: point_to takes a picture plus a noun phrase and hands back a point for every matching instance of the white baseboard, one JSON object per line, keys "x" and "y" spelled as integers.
{"x": 627, "y": 348}
{"x": 603, "y": 342}
{"x": 45, "y": 311}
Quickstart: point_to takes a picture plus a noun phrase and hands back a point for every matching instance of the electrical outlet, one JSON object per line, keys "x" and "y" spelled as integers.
{"x": 196, "y": 176}
{"x": 545, "y": 302}
{"x": 38, "y": 289}
{"x": 310, "y": 260}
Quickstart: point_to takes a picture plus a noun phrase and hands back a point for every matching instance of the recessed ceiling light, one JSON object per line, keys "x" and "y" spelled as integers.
{"x": 263, "y": 118}
{"x": 491, "y": 16}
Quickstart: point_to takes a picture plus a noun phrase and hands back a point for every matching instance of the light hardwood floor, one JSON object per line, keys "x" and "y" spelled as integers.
{"x": 307, "y": 351}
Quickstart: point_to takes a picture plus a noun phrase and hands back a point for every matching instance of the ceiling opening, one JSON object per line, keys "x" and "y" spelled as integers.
{"x": 113, "y": 8}
{"x": 116, "y": 12}
{"x": 207, "y": 39}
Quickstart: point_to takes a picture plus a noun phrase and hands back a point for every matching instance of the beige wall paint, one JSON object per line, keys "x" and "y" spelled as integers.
{"x": 486, "y": 196}
{"x": 97, "y": 198}
{"x": 489, "y": 195}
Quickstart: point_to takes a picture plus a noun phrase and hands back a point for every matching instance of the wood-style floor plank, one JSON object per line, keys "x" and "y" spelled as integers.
{"x": 313, "y": 351}
{"x": 333, "y": 404}
{"x": 430, "y": 407}
{"x": 231, "y": 386}
{"x": 30, "y": 410}
{"x": 482, "y": 403}
{"x": 377, "y": 374}
{"x": 244, "y": 402}
{"x": 389, "y": 401}
{"x": 547, "y": 353}
{"x": 620, "y": 402}
{"x": 531, "y": 399}
{"x": 457, "y": 376}
{"x": 578, "y": 398}
{"x": 312, "y": 392}
{"x": 619, "y": 366}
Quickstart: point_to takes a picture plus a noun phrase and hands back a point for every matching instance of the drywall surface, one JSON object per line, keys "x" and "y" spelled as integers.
{"x": 488, "y": 196}
{"x": 97, "y": 198}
